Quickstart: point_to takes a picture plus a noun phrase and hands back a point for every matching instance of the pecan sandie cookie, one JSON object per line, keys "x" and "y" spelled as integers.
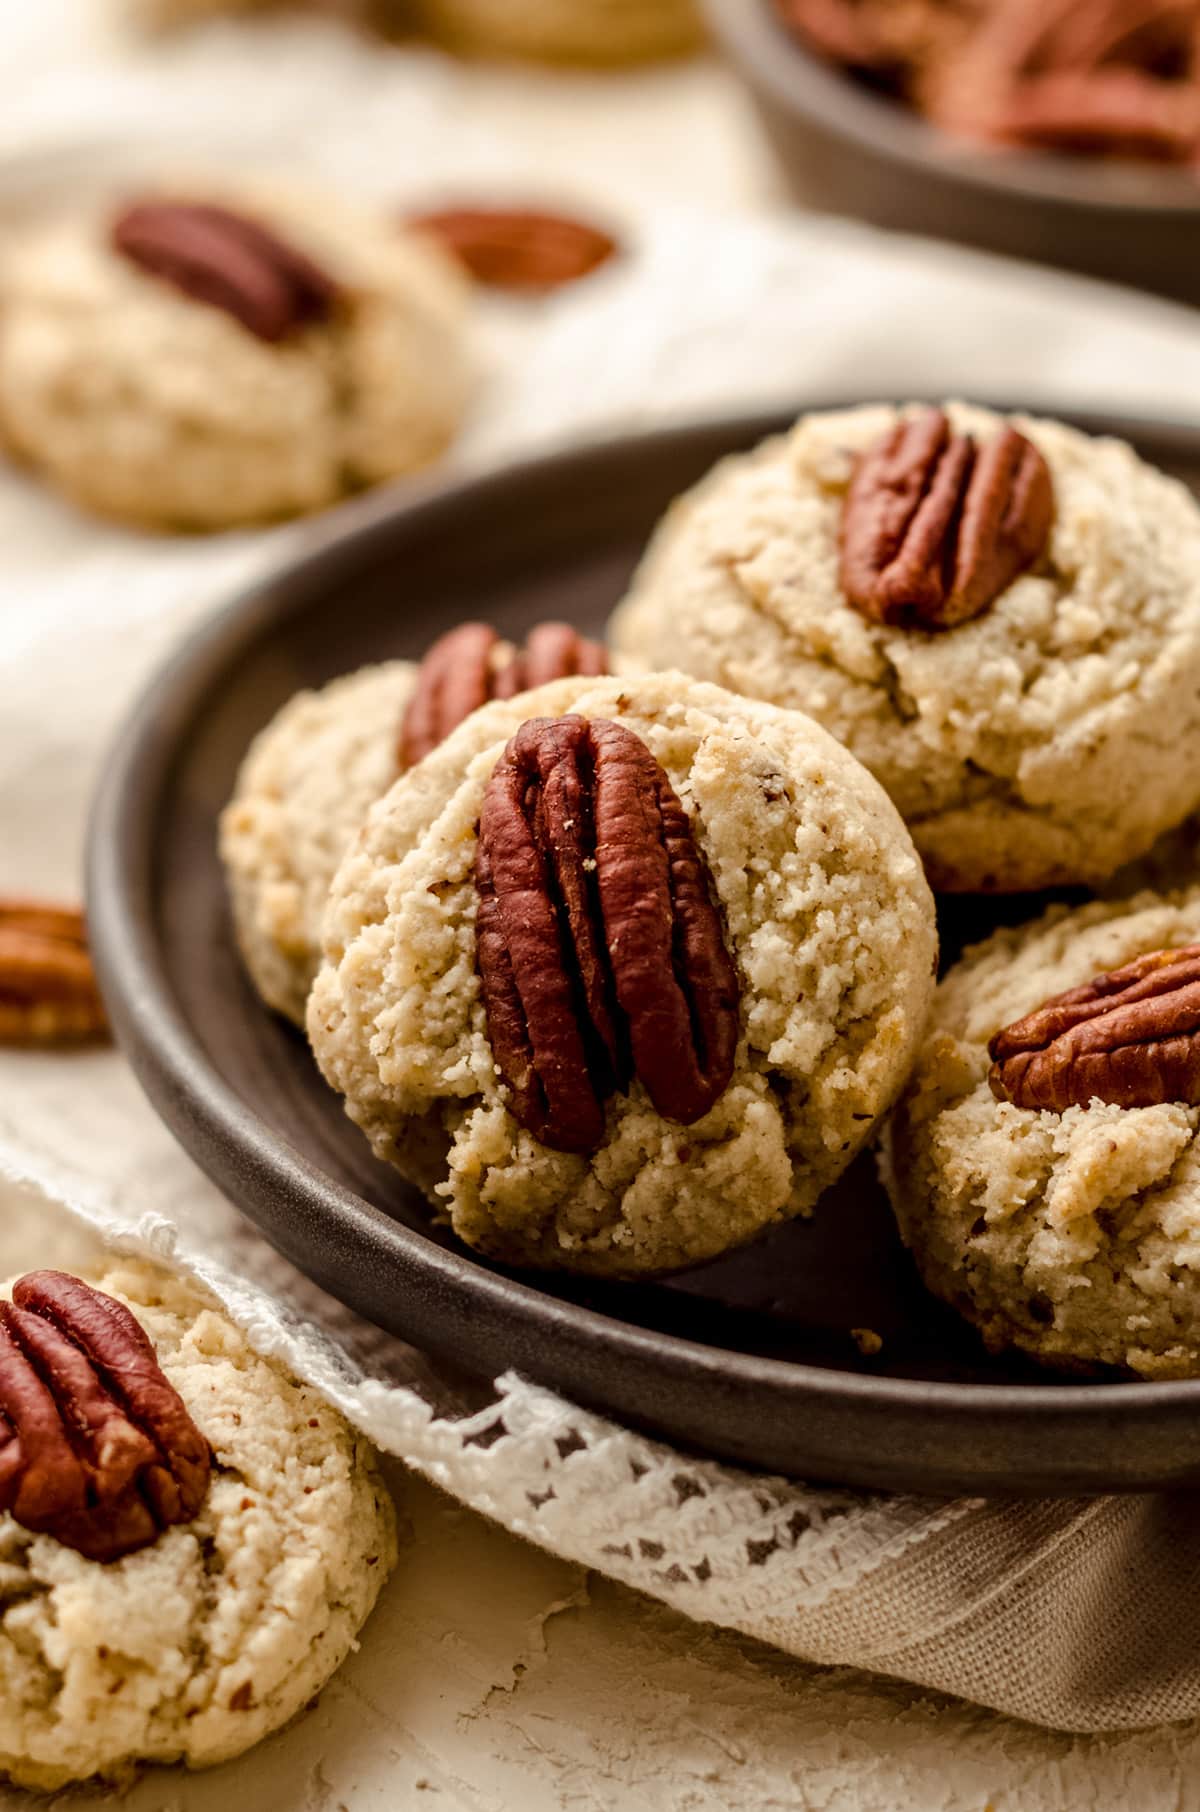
{"x": 1000, "y": 616}
{"x": 190, "y": 1538}
{"x": 1043, "y": 1160}
{"x": 624, "y": 972}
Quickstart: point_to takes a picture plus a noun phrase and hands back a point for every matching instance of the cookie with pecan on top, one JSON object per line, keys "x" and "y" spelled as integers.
{"x": 999, "y": 616}
{"x": 1043, "y": 1161}
{"x": 624, "y": 972}
{"x": 190, "y": 1538}
{"x": 198, "y": 358}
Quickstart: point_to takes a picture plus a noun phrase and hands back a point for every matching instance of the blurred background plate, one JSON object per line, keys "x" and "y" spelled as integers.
{"x": 845, "y": 150}
{"x": 751, "y": 1357}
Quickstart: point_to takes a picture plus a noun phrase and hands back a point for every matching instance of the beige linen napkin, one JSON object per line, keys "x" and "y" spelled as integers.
{"x": 1078, "y": 1614}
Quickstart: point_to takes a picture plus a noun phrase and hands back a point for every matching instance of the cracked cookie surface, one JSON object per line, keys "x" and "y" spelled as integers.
{"x": 302, "y": 792}
{"x": 146, "y": 405}
{"x": 197, "y": 1647}
{"x": 1048, "y": 740}
{"x": 827, "y": 918}
{"x": 1072, "y": 1236}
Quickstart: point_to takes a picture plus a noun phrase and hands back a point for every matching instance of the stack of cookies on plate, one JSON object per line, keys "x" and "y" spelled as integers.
{"x": 621, "y": 955}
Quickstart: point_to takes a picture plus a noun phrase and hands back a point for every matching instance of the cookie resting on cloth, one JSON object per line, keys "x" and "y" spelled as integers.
{"x": 826, "y": 916}
{"x": 195, "y": 1647}
{"x": 1048, "y": 739}
{"x": 149, "y": 404}
{"x": 1072, "y": 1235}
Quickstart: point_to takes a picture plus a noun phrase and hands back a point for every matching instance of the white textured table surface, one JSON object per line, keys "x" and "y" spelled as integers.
{"x": 491, "y": 1677}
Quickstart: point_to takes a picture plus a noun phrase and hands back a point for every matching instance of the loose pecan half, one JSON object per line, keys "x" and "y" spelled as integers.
{"x": 1130, "y": 1037}
{"x": 237, "y": 264}
{"x": 48, "y": 991}
{"x": 518, "y": 248}
{"x": 471, "y": 664}
{"x": 601, "y": 954}
{"x": 934, "y": 529}
{"x": 96, "y": 1447}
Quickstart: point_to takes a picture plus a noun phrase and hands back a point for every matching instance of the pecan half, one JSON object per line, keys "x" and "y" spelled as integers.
{"x": 1104, "y": 113}
{"x": 96, "y": 1447}
{"x": 48, "y": 991}
{"x": 1130, "y": 1037}
{"x": 518, "y": 248}
{"x": 934, "y": 529}
{"x": 471, "y": 664}
{"x": 601, "y": 954}
{"x": 886, "y": 42}
{"x": 215, "y": 255}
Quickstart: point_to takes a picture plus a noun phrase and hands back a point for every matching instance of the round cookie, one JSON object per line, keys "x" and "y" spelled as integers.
{"x": 1047, "y": 740}
{"x": 825, "y": 914}
{"x": 1073, "y": 1236}
{"x": 198, "y": 1646}
{"x": 148, "y": 405}
{"x": 155, "y": 15}
{"x": 302, "y": 792}
{"x": 566, "y": 31}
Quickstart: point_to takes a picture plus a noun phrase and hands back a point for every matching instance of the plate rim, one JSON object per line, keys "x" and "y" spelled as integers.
{"x": 238, "y": 1151}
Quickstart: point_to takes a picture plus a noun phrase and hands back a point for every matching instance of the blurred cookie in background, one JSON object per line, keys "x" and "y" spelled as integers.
{"x": 563, "y": 31}
{"x": 587, "y": 32}
{"x": 200, "y": 358}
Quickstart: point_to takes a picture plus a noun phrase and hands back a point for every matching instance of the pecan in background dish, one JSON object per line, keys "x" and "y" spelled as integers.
{"x": 1130, "y": 1037}
{"x": 935, "y": 528}
{"x": 1112, "y": 78}
{"x": 221, "y": 257}
{"x": 48, "y": 990}
{"x": 471, "y": 664}
{"x": 96, "y": 1446}
{"x": 517, "y": 248}
{"x": 601, "y": 954}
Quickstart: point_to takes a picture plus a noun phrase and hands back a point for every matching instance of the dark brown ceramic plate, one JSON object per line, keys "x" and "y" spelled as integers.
{"x": 750, "y": 1358}
{"x": 846, "y": 150}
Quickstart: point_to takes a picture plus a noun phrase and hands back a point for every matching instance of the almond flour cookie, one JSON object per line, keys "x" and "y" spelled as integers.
{"x": 199, "y": 361}
{"x": 1021, "y": 670}
{"x": 302, "y": 792}
{"x": 306, "y": 783}
{"x": 222, "y": 1624}
{"x": 564, "y": 31}
{"x": 1049, "y": 1186}
{"x": 624, "y": 972}
{"x": 156, "y": 15}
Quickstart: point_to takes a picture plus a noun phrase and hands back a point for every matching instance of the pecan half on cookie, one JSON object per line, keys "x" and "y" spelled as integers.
{"x": 935, "y": 528}
{"x": 96, "y": 1446}
{"x": 1130, "y": 1037}
{"x": 471, "y": 664}
{"x": 601, "y": 954}
{"x": 218, "y": 256}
